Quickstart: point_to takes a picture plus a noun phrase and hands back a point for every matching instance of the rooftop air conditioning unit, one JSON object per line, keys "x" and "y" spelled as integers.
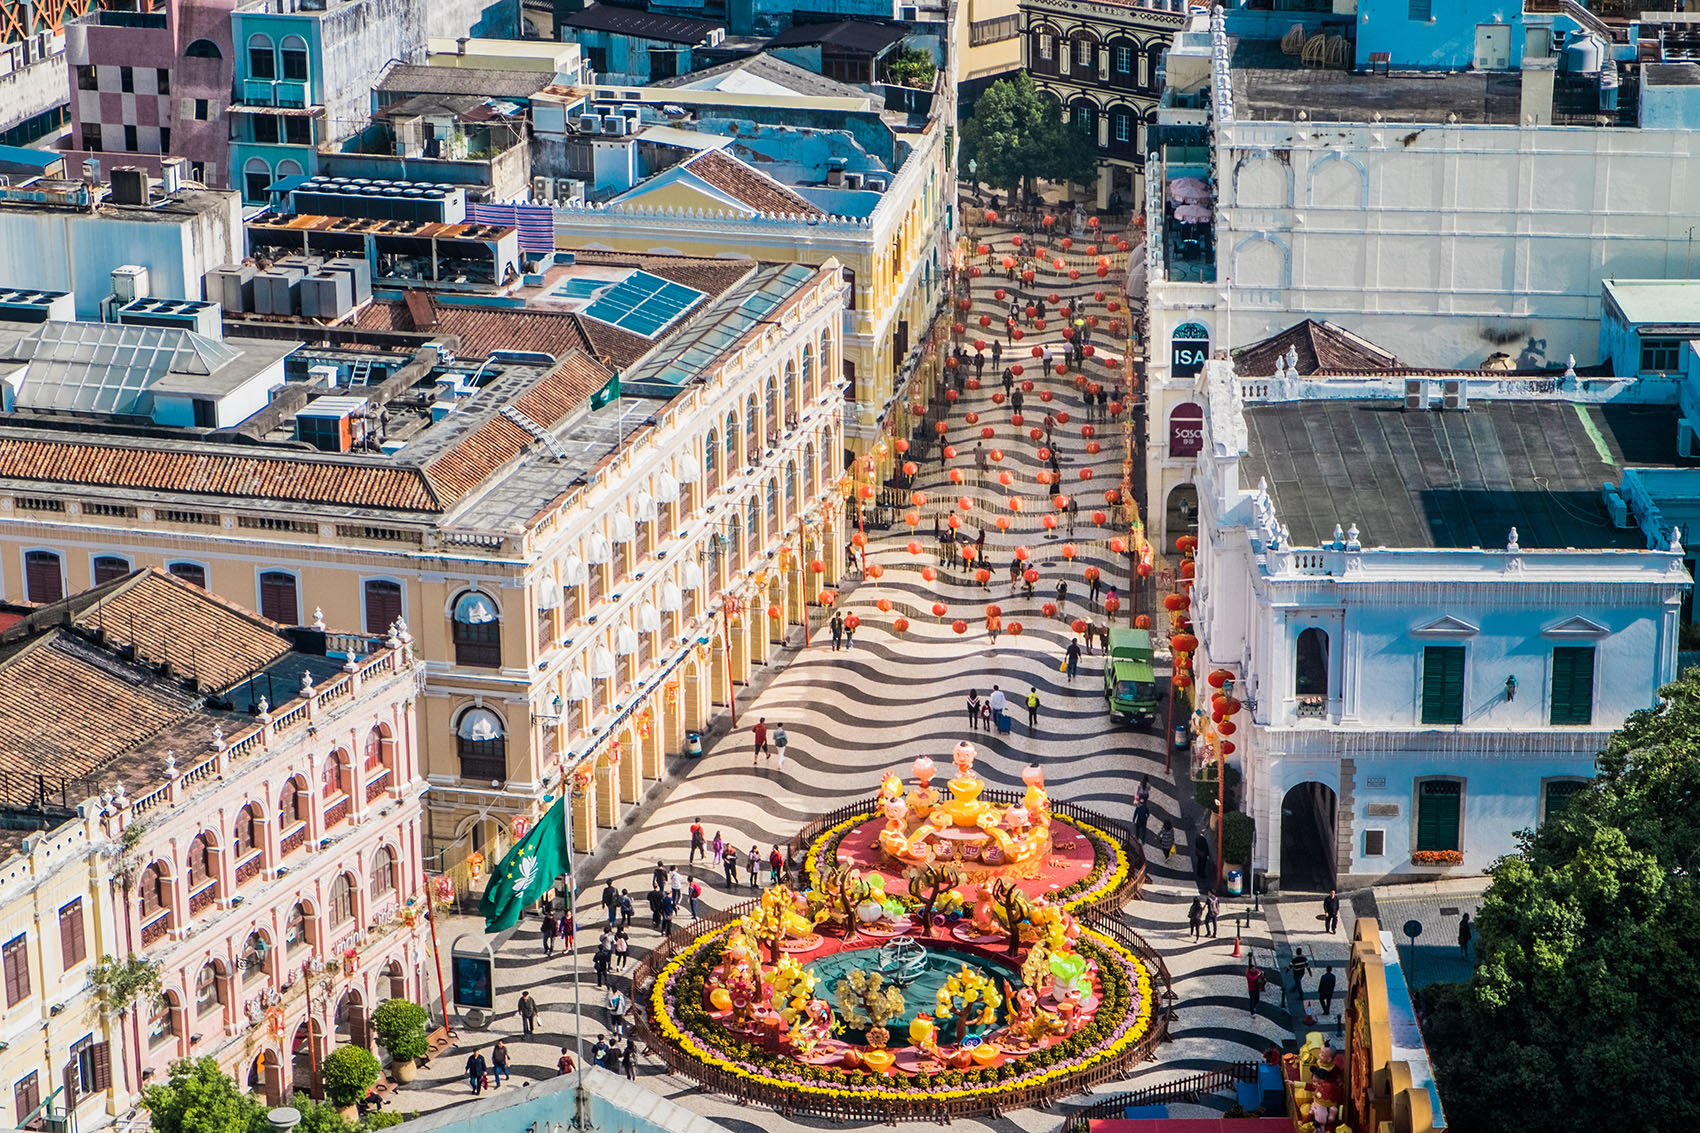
{"x": 130, "y": 283}
{"x": 1455, "y": 394}
{"x": 590, "y": 123}
{"x": 322, "y": 376}
{"x": 614, "y": 125}
{"x": 542, "y": 189}
{"x": 852, "y": 180}
{"x": 1416, "y": 393}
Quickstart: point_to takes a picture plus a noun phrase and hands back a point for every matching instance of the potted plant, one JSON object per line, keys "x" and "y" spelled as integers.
{"x": 400, "y": 1027}
{"x": 350, "y": 1072}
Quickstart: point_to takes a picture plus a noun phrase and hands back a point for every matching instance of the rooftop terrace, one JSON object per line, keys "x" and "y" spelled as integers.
{"x": 1269, "y": 84}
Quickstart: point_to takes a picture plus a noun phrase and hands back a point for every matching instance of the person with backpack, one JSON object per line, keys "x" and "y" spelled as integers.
{"x": 775, "y": 866}
{"x": 1032, "y": 709}
{"x": 621, "y": 947}
{"x": 1255, "y": 981}
{"x": 611, "y": 901}
{"x": 730, "y": 865}
{"x": 600, "y": 962}
{"x": 625, "y": 909}
{"x": 565, "y": 1063}
{"x": 973, "y": 710}
{"x": 698, "y": 844}
{"x": 695, "y": 892}
{"x": 781, "y": 741}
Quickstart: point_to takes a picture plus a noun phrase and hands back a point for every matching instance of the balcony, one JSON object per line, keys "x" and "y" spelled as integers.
{"x": 155, "y": 929}
{"x": 377, "y": 786}
{"x": 202, "y": 899}
{"x": 248, "y": 867}
{"x": 287, "y": 93}
{"x": 293, "y": 840}
{"x": 336, "y": 813}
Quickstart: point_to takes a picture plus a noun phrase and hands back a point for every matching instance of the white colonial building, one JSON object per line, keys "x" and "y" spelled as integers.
{"x": 1433, "y": 615}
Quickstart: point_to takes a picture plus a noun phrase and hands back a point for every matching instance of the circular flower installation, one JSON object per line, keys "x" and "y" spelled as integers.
{"x": 858, "y": 998}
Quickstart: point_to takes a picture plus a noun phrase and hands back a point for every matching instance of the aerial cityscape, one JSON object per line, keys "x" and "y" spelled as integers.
{"x": 700, "y": 566}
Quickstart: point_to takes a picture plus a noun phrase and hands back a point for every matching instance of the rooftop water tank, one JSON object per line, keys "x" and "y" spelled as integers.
{"x": 1584, "y": 54}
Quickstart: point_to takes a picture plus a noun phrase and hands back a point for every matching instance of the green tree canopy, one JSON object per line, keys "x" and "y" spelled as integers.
{"x": 1585, "y": 1004}
{"x": 197, "y": 1097}
{"x": 1017, "y": 136}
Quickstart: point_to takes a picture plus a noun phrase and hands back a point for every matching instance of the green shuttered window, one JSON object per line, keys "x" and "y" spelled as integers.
{"x": 1573, "y": 684}
{"x": 1443, "y": 684}
{"x": 1439, "y": 802}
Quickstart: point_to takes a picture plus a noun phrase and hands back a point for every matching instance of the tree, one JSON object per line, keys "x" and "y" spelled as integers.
{"x": 912, "y": 67}
{"x": 927, "y": 884}
{"x": 866, "y": 1000}
{"x": 198, "y": 1097}
{"x": 1016, "y": 136}
{"x": 317, "y": 1117}
{"x": 400, "y": 1025}
{"x": 119, "y": 983}
{"x": 1586, "y": 998}
{"x": 349, "y": 1073}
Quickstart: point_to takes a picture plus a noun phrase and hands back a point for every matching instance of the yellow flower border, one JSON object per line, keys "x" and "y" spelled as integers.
{"x": 1117, "y": 876}
{"x": 671, "y": 1032}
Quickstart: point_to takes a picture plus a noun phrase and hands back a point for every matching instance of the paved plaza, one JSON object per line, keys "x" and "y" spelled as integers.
{"x": 855, "y": 713}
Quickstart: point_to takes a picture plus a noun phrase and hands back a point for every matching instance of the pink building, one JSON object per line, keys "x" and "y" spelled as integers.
{"x": 274, "y": 777}
{"x": 146, "y": 85}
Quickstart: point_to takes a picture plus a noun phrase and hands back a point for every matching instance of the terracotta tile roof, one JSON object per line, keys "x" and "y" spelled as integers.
{"x": 481, "y": 330}
{"x": 1319, "y": 346}
{"x": 216, "y": 474}
{"x": 749, "y": 185}
{"x": 67, "y": 708}
{"x": 458, "y": 472}
{"x": 167, "y": 619}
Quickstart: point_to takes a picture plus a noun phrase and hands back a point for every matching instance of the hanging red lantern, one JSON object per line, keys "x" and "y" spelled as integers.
{"x": 1175, "y": 603}
{"x": 901, "y": 625}
{"x": 987, "y": 432}
{"x": 953, "y": 522}
{"x": 972, "y": 418}
{"x": 1186, "y": 544}
{"x": 1018, "y": 419}
{"x": 910, "y": 468}
{"x": 957, "y": 476}
{"x": 1003, "y": 523}
{"x": 997, "y": 399}
{"x": 1078, "y": 625}
{"x": 1030, "y": 575}
{"x": 1060, "y": 502}
{"x": 959, "y": 626}
{"x": 817, "y": 567}
{"x": 939, "y": 609}
{"x": 1181, "y": 680}
{"x": 1049, "y": 609}
{"x": 1228, "y": 747}
{"x": 868, "y": 491}
{"x": 968, "y": 553}
{"x": 918, "y": 410}
{"x": 912, "y": 518}
{"x": 1062, "y": 369}
{"x": 1144, "y": 570}
{"x": 973, "y": 383}
{"x": 940, "y": 428}
{"x": 919, "y": 499}
{"x": 1027, "y": 276}
{"x": 950, "y": 364}
{"x": 957, "y": 328}
{"x": 854, "y": 621}
{"x": 1063, "y": 417}
{"x": 1000, "y": 294}
{"x": 1091, "y": 574}
{"x": 1188, "y": 568}
{"x": 1218, "y": 678}
{"x": 985, "y": 321}
{"x": 1098, "y": 518}
{"x": 1227, "y": 727}
{"x": 1143, "y": 621}
{"x": 1067, "y": 242}
{"x": 883, "y": 605}
{"x": 1050, "y": 522}
{"x": 1046, "y": 395}
{"x": 772, "y": 611}
{"x": 929, "y": 574}
{"x": 1183, "y": 643}
{"x": 1112, "y": 604}
{"x": 902, "y": 445}
{"x": 1069, "y": 551}
{"x": 1118, "y": 545}
{"x": 875, "y": 571}
{"x": 858, "y": 540}
{"x": 982, "y": 576}
{"x": 1013, "y": 629}
{"x": 1093, "y": 448}
{"x": 965, "y": 503}
{"x": 914, "y": 547}
{"x": 1085, "y": 474}
{"x": 826, "y": 597}
{"x": 1022, "y": 554}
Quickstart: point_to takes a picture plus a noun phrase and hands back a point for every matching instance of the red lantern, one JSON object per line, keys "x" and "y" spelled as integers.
{"x": 1050, "y": 522}
{"x": 1218, "y": 678}
{"x": 910, "y": 468}
{"x": 956, "y": 476}
{"x": 997, "y": 456}
{"x": 919, "y": 499}
{"x": 884, "y": 605}
{"x": 875, "y": 571}
{"x": 1078, "y": 625}
{"x": 773, "y": 611}
{"x": 1049, "y": 609}
{"x": 1181, "y": 680}
{"x": 959, "y": 626}
{"x": 1118, "y": 545}
{"x": 929, "y": 574}
{"x": 1085, "y": 474}
{"x": 853, "y": 621}
{"x": 1062, "y": 417}
{"x": 1227, "y": 727}
{"x": 858, "y": 540}
{"x": 914, "y": 547}
{"x": 1016, "y": 239}
{"x": 973, "y": 383}
{"x": 1183, "y": 643}
{"x": 982, "y": 576}
{"x": 1022, "y": 554}
{"x": 1093, "y": 448}
{"x": 950, "y": 364}
{"x": 1017, "y": 419}
{"x": 1069, "y": 551}
{"x": 817, "y": 567}
{"x": 985, "y": 321}
{"x": 953, "y": 522}
{"x": 997, "y": 398}
{"x": 1112, "y": 604}
{"x": 867, "y": 491}
{"x": 1186, "y": 544}
{"x": 826, "y": 597}
{"x": 1017, "y": 370}
{"x": 1175, "y": 603}
{"x": 972, "y": 418}
{"x": 964, "y": 304}
{"x": 1005, "y": 479}
{"x": 1067, "y": 242}
{"x": 1000, "y": 294}
{"x": 1228, "y": 747}
{"x": 987, "y": 432}
{"x": 1143, "y": 621}
{"x": 1046, "y": 395}
{"x": 1144, "y": 570}
{"x": 901, "y": 625}
{"x": 1091, "y": 573}
{"x": 1003, "y": 523}
{"x": 1098, "y": 518}
{"x": 965, "y": 503}
{"x": 1027, "y": 276}
{"x": 918, "y": 410}
{"x": 983, "y": 250}
{"x": 902, "y": 446}
{"x": 1188, "y": 568}
{"x": 941, "y": 428}
{"x": 1013, "y": 629}
{"x": 1061, "y": 502}
{"x": 939, "y": 609}
{"x": 968, "y": 553}
{"x": 1030, "y": 575}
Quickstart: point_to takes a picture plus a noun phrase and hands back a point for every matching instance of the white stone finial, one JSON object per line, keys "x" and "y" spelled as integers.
{"x": 1292, "y": 358}
{"x": 265, "y": 713}
{"x": 1570, "y": 368}
{"x": 307, "y": 689}
{"x": 1339, "y": 537}
{"x": 318, "y": 618}
{"x": 118, "y": 796}
{"x": 1511, "y": 540}
{"x": 218, "y": 737}
{"x": 1353, "y": 543}
{"x": 401, "y": 631}
{"x": 171, "y": 765}
{"x": 1675, "y": 541}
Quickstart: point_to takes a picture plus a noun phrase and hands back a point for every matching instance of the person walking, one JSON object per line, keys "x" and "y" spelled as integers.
{"x": 717, "y": 848}
{"x": 1331, "y": 912}
{"x": 617, "y": 1011}
{"x": 973, "y": 710}
{"x": 1166, "y": 839}
{"x": 527, "y": 1012}
{"x": 668, "y": 908}
{"x": 979, "y": 365}
{"x": 837, "y": 626}
{"x": 476, "y": 1070}
{"x": 1212, "y": 910}
{"x": 550, "y": 927}
{"x": 499, "y": 1062}
{"x": 731, "y": 868}
{"x": 997, "y": 353}
{"x": 694, "y": 893}
{"x": 1144, "y": 792}
{"x": 1032, "y": 709}
{"x": 850, "y": 624}
{"x": 760, "y": 730}
{"x": 568, "y": 926}
{"x": 1045, "y": 363}
{"x": 698, "y": 843}
{"x": 775, "y": 866}
{"x": 611, "y": 901}
{"x": 628, "y": 1059}
{"x": 658, "y": 875}
{"x": 994, "y": 623}
{"x": 625, "y": 909}
{"x": 1466, "y": 931}
{"x": 1254, "y": 981}
{"x": 676, "y": 887}
{"x": 997, "y": 702}
{"x": 655, "y": 897}
{"x": 1095, "y": 582}
{"x": 1073, "y": 516}
{"x": 1072, "y": 661}
{"x": 1201, "y": 862}
{"x": 1062, "y": 595}
{"x": 752, "y": 866}
{"x": 1325, "y": 989}
{"x": 1299, "y": 967}
{"x": 981, "y": 463}
{"x": 622, "y": 948}
{"x": 781, "y": 742}
{"x": 565, "y": 1063}
{"x": 1141, "y": 816}
{"x": 599, "y": 1053}
{"x": 1195, "y": 916}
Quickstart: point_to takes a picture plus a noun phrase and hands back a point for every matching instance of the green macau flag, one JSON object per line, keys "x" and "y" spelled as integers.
{"x": 528, "y": 870}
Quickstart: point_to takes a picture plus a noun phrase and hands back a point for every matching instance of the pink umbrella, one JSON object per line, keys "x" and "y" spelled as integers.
{"x": 1193, "y": 214}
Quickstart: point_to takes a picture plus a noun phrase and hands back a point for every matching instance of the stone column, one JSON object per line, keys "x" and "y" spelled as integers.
{"x": 584, "y": 818}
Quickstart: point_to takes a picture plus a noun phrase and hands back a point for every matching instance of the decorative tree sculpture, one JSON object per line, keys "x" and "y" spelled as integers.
{"x": 840, "y": 889}
{"x": 970, "y": 998}
{"x": 928, "y": 884}
{"x": 773, "y": 920}
{"x": 866, "y": 1000}
{"x": 1013, "y": 908}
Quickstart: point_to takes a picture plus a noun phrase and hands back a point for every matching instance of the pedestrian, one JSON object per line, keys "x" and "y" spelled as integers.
{"x": 1045, "y": 363}
{"x": 1073, "y": 515}
{"x": 1008, "y": 380}
{"x": 499, "y": 1062}
{"x": 527, "y": 1012}
{"x": 1062, "y": 594}
{"x": 837, "y": 631}
{"x": 1096, "y": 582}
{"x": 599, "y": 1053}
{"x": 775, "y": 866}
{"x": 752, "y": 866}
{"x": 476, "y": 1069}
{"x": 550, "y": 927}
{"x": 694, "y": 893}
{"x": 979, "y": 365}
{"x": 973, "y": 710}
{"x": 565, "y": 1064}
{"x": 617, "y": 1011}
{"x": 718, "y": 847}
{"x": 850, "y": 632}
{"x": 1071, "y": 662}
{"x": 997, "y": 703}
{"x": 676, "y": 886}
{"x": 606, "y": 940}
{"x": 622, "y": 947}
{"x": 1032, "y": 708}
{"x": 569, "y": 926}
{"x": 628, "y": 1059}
{"x": 1141, "y": 816}
{"x": 1195, "y": 916}
{"x": 610, "y": 901}
{"x": 1014, "y": 574}
{"x": 600, "y": 962}
{"x": 658, "y": 875}
{"x": 1325, "y": 989}
{"x": 980, "y": 545}
{"x": 1166, "y": 839}
{"x": 781, "y": 741}
{"x": 760, "y": 730}
{"x": 1254, "y": 981}
{"x": 625, "y": 909}
{"x": 1113, "y": 597}
{"x": 731, "y": 868}
{"x": 1299, "y": 967}
{"x": 655, "y": 897}
{"x": 1201, "y": 862}
{"x": 698, "y": 843}
{"x": 1212, "y": 910}
{"x": 982, "y": 463}
{"x": 997, "y": 353}
{"x": 994, "y": 623}
{"x": 986, "y": 715}
{"x": 1331, "y": 912}
{"x": 668, "y": 907}
{"x": 1466, "y": 930}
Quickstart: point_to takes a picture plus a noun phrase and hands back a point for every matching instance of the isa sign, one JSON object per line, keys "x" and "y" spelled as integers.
{"x": 1187, "y": 356}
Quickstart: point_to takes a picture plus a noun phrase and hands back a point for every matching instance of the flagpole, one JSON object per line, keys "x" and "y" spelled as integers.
{"x": 572, "y": 910}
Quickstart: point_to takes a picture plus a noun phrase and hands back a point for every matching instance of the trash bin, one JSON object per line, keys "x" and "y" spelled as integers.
{"x": 1183, "y": 737}
{"x": 1236, "y": 883}
{"x": 693, "y": 743}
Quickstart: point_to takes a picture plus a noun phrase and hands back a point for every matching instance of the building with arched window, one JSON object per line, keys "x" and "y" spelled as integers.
{"x": 264, "y": 842}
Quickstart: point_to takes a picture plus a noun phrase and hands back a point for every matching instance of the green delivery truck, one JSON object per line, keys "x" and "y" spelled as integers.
{"x": 1129, "y": 684}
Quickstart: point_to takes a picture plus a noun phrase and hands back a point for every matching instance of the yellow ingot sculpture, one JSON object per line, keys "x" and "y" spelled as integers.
{"x": 921, "y": 828}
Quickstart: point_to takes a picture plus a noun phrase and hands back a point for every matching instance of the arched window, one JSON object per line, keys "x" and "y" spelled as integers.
{"x": 254, "y": 951}
{"x": 792, "y": 499}
{"x": 733, "y": 463}
{"x": 292, "y": 803}
{"x": 383, "y": 873}
{"x": 110, "y": 568}
{"x": 1085, "y": 116}
{"x": 483, "y": 746}
{"x": 162, "y": 1018}
{"x": 477, "y": 631}
{"x": 204, "y": 49}
{"x": 256, "y": 179}
{"x": 297, "y": 929}
{"x": 153, "y": 890}
{"x": 752, "y": 429}
{"x": 246, "y": 834}
{"x": 711, "y": 454}
{"x": 295, "y": 59}
{"x": 193, "y": 573}
{"x": 209, "y": 989}
{"x": 330, "y": 779}
{"x": 262, "y": 63}
{"x": 772, "y": 507}
{"x": 752, "y": 527}
{"x": 44, "y": 576}
{"x": 280, "y": 599}
{"x": 202, "y": 872}
{"x": 342, "y": 899}
{"x": 288, "y": 168}
{"x": 1310, "y": 663}
{"x": 378, "y": 749}
{"x": 793, "y": 409}
{"x": 383, "y": 605}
